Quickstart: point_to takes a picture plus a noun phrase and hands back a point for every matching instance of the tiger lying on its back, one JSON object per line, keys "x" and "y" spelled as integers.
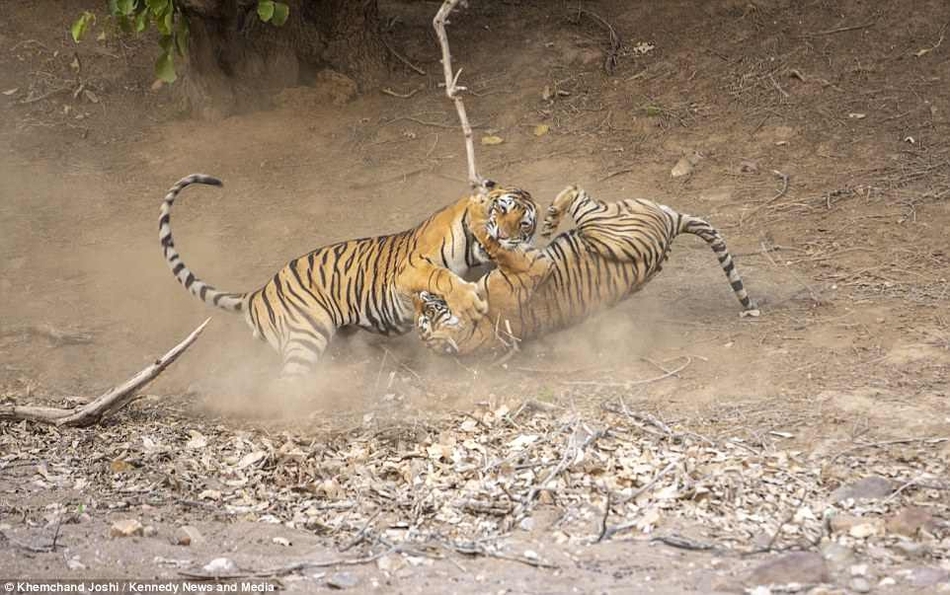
{"x": 367, "y": 283}
{"x": 613, "y": 251}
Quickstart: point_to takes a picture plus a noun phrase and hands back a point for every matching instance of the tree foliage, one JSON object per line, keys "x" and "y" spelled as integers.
{"x": 171, "y": 22}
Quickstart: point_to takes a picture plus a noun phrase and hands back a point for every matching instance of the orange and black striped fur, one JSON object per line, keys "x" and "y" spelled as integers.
{"x": 366, "y": 283}
{"x": 612, "y": 252}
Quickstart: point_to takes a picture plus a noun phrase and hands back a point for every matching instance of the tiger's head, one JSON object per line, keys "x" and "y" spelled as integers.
{"x": 434, "y": 323}
{"x": 512, "y": 216}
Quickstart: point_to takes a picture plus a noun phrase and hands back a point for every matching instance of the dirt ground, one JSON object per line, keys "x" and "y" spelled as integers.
{"x": 845, "y": 374}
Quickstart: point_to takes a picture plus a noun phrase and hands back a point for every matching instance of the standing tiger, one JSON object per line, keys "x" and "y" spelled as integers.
{"x": 612, "y": 252}
{"x": 366, "y": 283}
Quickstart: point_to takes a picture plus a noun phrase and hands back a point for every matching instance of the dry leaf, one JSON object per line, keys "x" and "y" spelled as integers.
{"x": 251, "y": 458}
{"x": 541, "y": 129}
{"x": 492, "y": 140}
{"x": 522, "y": 441}
{"x": 119, "y": 466}
{"x": 209, "y": 495}
{"x": 196, "y": 441}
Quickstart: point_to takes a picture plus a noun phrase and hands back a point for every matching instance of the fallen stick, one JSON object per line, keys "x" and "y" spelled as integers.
{"x": 402, "y": 58}
{"x": 391, "y": 93}
{"x": 478, "y": 550}
{"x": 107, "y": 403}
{"x": 782, "y": 176}
{"x": 567, "y": 459}
{"x": 629, "y": 383}
{"x": 616, "y": 44}
{"x": 279, "y": 570}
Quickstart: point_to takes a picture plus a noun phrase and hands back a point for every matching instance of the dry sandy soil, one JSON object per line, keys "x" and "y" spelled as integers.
{"x": 844, "y": 376}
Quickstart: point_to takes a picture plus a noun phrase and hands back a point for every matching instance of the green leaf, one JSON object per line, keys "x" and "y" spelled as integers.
{"x": 265, "y": 10}
{"x": 164, "y": 23}
{"x": 125, "y": 7}
{"x": 281, "y": 11}
{"x": 124, "y": 23}
{"x": 141, "y": 21}
{"x": 157, "y": 7}
{"x": 79, "y": 28}
{"x": 181, "y": 36}
{"x": 165, "y": 67}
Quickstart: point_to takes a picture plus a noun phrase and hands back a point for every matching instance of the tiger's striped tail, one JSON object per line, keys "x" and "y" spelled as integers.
{"x": 233, "y": 302}
{"x": 701, "y": 228}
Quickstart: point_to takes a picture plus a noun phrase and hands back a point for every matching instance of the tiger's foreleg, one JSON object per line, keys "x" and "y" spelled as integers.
{"x": 462, "y": 297}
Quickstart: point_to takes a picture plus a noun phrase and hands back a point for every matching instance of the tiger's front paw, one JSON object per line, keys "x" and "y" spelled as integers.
{"x": 467, "y": 303}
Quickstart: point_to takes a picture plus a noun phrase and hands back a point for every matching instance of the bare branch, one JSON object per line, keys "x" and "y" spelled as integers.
{"x": 108, "y": 402}
{"x": 452, "y": 91}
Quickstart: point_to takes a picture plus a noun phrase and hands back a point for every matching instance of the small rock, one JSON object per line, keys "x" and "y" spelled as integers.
{"x": 710, "y": 582}
{"x": 868, "y": 488}
{"x": 186, "y": 535}
{"x": 415, "y": 561}
{"x": 220, "y": 566}
{"x": 927, "y": 576}
{"x": 342, "y": 580}
{"x": 910, "y": 521}
{"x": 149, "y": 531}
{"x": 859, "y": 584}
{"x": 865, "y": 530}
{"x": 126, "y": 528}
{"x": 912, "y": 549}
{"x": 859, "y": 570}
{"x": 531, "y": 554}
{"x": 748, "y": 167}
{"x": 526, "y": 524}
{"x": 682, "y": 168}
{"x": 837, "y": 555}
{"x": 75, "y": 564}
{"x": 886, "y": 582}
{"x": 846, "y": 523}
{"x": 796, "y": 567}
{"x": 282, "y": 541}
{"x": 390, "y": 563}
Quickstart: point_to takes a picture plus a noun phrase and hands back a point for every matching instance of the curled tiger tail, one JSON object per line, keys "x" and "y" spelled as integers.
{"x": 701, "y": 228}
{"x": 233, "y": 302}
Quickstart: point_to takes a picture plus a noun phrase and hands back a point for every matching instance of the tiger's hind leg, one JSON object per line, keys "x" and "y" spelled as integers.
{"x": 298, "y": 329}
{"x": 302, "y": 352}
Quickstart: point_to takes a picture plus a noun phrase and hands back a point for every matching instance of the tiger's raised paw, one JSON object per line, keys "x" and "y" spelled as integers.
{"x": 467, "y": 303}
